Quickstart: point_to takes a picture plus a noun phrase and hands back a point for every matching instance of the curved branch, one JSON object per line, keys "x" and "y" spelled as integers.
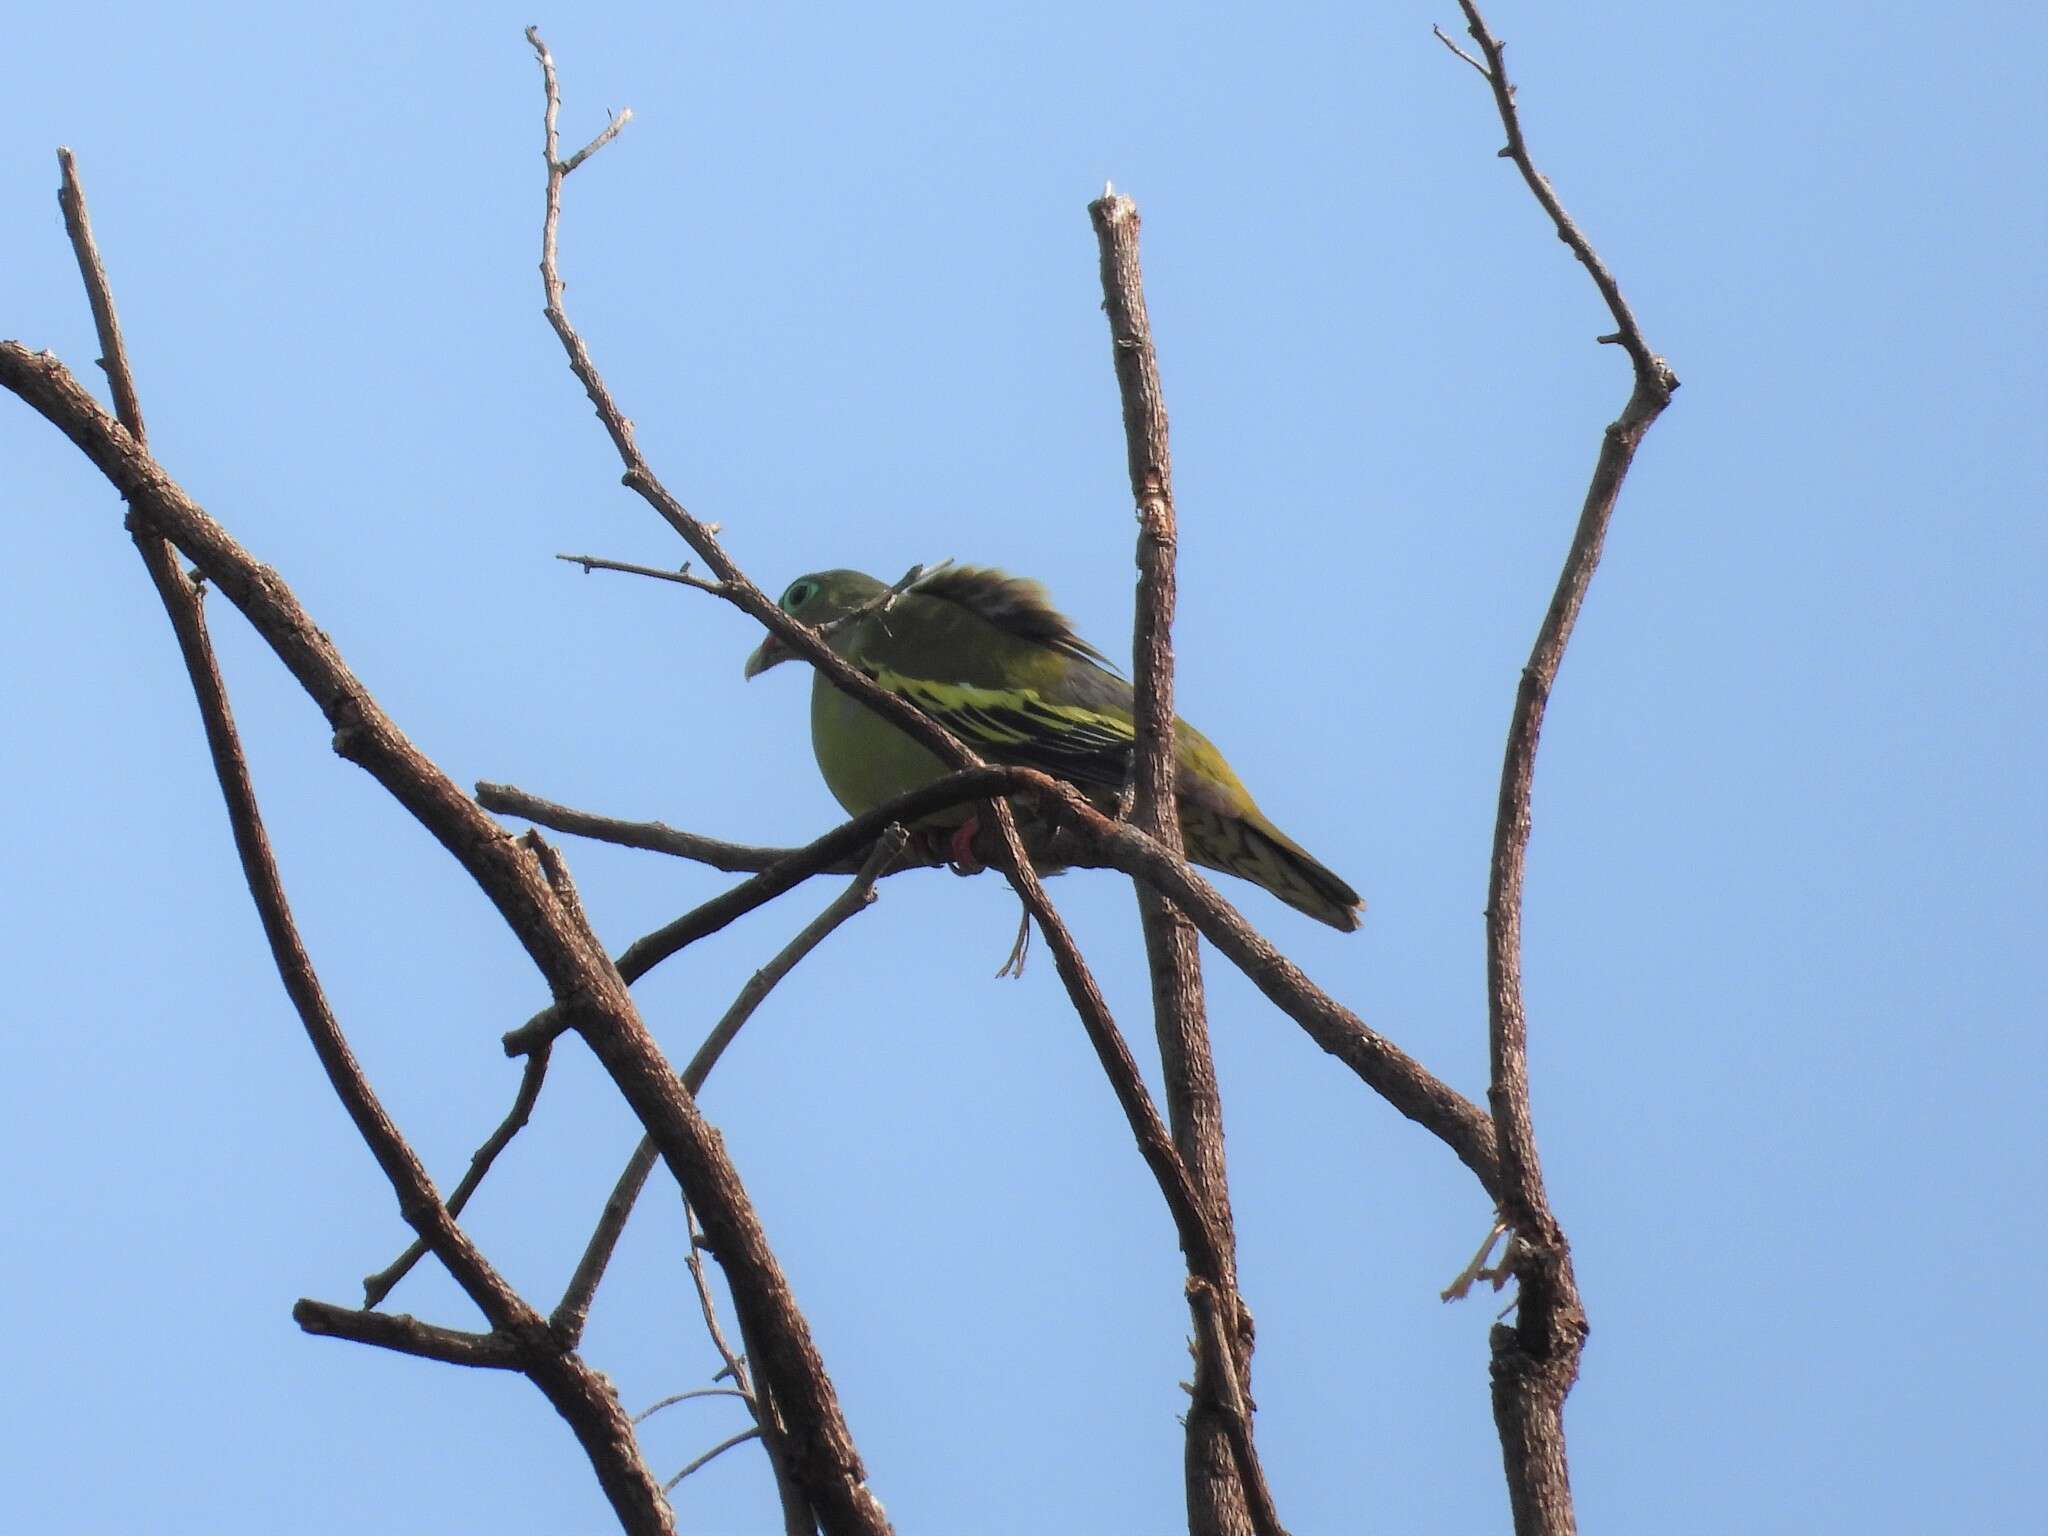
{"x": 1084, "y": 838}
{"x": 380, "y": 1285}
{"x": 578, "y": 1393}
{"x": 573, "y": 1311}
{"x": 1198, "y": 1238}
{"x": 639, "y": 477}
{"x": 1383, "y": 1066}
{"x": 783, "y": 869}
{"x": 1536, "y": 1359}
{"x": 602, "y": 1009}
{"x": 712, "y": 1455}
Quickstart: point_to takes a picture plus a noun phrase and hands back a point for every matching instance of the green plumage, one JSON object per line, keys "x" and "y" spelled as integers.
{"x": 987, "y": 656}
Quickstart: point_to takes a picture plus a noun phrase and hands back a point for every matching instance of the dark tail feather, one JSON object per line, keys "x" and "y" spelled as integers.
{"x": 1258, "y": 851}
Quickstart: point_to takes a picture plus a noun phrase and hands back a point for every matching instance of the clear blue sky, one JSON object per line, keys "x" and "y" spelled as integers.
{"x": 1786, "y": 905}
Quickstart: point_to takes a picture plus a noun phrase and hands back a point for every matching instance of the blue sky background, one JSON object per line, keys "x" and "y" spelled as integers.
{"x": 1786, "y": 899}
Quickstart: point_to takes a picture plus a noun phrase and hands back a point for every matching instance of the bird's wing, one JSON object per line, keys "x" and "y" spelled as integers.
{"x": 1015, "y": 606}
{"x": 1070, "y": 738}
{"x": 987, "y": 656}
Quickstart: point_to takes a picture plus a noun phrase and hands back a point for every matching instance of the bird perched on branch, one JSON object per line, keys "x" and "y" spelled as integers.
{"x": 988, "y": 657}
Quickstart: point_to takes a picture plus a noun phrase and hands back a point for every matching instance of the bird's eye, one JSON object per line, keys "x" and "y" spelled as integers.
{"x": 799, "y": 593}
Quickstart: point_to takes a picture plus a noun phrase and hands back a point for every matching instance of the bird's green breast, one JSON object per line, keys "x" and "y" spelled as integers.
{"x": 864, "y": 759}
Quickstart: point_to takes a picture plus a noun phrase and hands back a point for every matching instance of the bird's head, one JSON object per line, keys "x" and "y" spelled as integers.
{"x": 816, "y": 599}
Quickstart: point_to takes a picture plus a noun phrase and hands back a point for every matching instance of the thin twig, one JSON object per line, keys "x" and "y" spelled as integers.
{"x": 1155, "y": 1144}
{"x": 823, "y": 1456}
{"x": 859, "y": 894}
{"x": 798, "y": 1514}
{"x": 844, "y": 848}
{"x": 611, "y": 131}
{"x": 573, "y": 1311}
{"x": 99, "y": 295}
{"x": 417, "y": 1198}
{"x": 1650, "y": 369}
{"x": 380, "y": 1285}
{"x": 735, "y": 1364}
{"x": 785, "y": 870}
{"x": 712, "y": 1455}
{"x": 1445, "y": 38}
{"x": 1477, "y": 1267}
{"x": 681, "y": 577}
{"x": 685, "y": 1397}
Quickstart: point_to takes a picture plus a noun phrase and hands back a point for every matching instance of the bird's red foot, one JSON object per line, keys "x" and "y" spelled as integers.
{"x": 960, "y": 849}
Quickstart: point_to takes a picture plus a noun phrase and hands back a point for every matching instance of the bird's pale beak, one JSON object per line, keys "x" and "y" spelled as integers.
{"x": 770, "y": 651}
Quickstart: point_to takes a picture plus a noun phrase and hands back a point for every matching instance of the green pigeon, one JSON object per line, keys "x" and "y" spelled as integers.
{"x": 987, "y": 656}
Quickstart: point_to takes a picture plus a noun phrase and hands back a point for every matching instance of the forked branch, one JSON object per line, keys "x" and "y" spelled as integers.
{"x": 518, "y": 1336}
{"x": 1536, "y": 1358}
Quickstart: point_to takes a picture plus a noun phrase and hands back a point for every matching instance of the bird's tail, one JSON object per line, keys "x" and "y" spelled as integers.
{"x": 1253, "y": 849}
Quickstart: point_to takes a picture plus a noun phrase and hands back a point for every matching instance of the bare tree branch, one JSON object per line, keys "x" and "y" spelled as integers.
{"x": 686, "y": 1397}
{"x": 1220, "y": 1396}
{"x": 99, "y": 294}
{"x": 602, "y": 1009}
{"x": 713, "y": 1454}
{"x": 639, "y": 477}
{"x": 680, "y": 577}
{"x": 380, "y": 1285}
{"x": 1384, "y": 1067}
{"x": 1627, "y": 334}
{"x": 1217, "y": 1479}
{"x": 1155, "y": 1143}
{"x": 735, "y": 1364}
{"x": 1084, "y": 837}
{"x": 839, "y": 852}
{"x": 573, "y": 1311}
{"x": 409, "y": 1336}
{"x": 782, "y": 869}
{"x": 579, "y": 1393}
{"x": 1536, "y": 1358}
{"x": 798, "y": 1517}
{"x": 808, "y": 644}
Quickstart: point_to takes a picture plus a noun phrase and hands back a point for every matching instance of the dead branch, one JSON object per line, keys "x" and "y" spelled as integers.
{"x": 578, "y": 1393}
{"x": 784, "y": 871}
{"x": 712, "y": 1455}
{"x": 640, "y": 478}
{"x": 409, "y": 1336}
{"x": 380, "y": 1285}
{"x": 573, "y": 1311}
{"x": 1087, "y": 838}
{"x": 601, "y": 1009}
{"x": 1221, "y": 1464}
{"x": 1536, "y": 1358}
